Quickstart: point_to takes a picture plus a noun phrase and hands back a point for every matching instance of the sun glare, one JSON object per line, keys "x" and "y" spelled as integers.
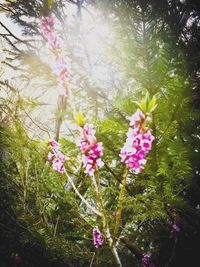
{"x": 86, "y": 42}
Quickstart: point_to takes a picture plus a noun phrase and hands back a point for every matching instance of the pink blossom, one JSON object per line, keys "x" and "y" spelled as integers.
{"x": 48, "y": 31}
{"x": 146, "y": 260}
{"x": 56, "y": 157}
{"x": 137, "y": 118}
{"x": 91, "y": 149}
{"x": 47, "y": 24}
{"x": 115, "y": 213}
{"x": 18, "y": 260}
{"x": 175, "y": 228}
{"x": 138, "y": 143}
{"x": 97, "y": 237}
{"x": 54, "y": 144}
{"x": 61, "y": 69}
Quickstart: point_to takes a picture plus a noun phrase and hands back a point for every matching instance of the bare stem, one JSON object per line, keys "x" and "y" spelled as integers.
{"x": 120, "y": 203}
{"x": 56, "y": 226}
{"x": 81, "y": 197}
{"x": 106, "y": 229}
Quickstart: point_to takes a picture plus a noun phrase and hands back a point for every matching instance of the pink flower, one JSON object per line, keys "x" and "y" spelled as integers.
{"x": 47, "y": 24}
{"x": 97, "y": 237}
{"x": 54, "y": 144}
{"x": 91, "y": 149}
{"x": 56, "y": 157}
{"x": 18, "y": 260}
{"x": 137, "y": 118}
{"x": 58, "y": 165}
{"x": 115, "y": 213}
{"x": 48, "y": 31}
{"x": 146, "y": 260}
{"x": 138, "y": 143}
{"x": 175, "y": 228}
{"x": 61, "y": 69}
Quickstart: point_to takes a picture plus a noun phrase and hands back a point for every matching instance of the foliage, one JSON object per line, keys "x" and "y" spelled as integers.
{"x": 41, "y": 215}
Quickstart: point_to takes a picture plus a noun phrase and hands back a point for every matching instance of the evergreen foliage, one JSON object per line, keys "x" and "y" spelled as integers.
{"x": 42, "y": 219}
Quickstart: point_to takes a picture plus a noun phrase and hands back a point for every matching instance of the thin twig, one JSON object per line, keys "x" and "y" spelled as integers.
{"x": 97, "y": 212}
{"x": 173, "y": 253}
{"x": 120, "y": 203}
{"x": 92, "y": 259}
{"x": 56, "y": 226}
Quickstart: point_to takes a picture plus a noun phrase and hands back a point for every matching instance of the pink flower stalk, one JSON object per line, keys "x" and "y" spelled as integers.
{"x": 138, "y": 143}
{"x": 97, "y": 237}
{"x": 60, "y": 67}
{"x": 146, "y": 260}
{"x": 91, "y": 149}
{"x": 56, "y": 157}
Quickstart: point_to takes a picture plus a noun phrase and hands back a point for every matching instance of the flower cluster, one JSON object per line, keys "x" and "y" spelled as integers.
{"x": 138, "y": 143}
{"x": 146, "y": 260}
{"x": 60, "y": 67}
{"x": 97, "y": 237}
{"x": 48, "y": 31}
{"x": 18, "y": 260}
{"x": 91, "y": 149}
{"x": 56, "y": 157}
{"x": 175, "y": 228}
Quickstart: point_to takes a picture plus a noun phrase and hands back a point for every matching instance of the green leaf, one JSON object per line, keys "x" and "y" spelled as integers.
{"x": 147, "y": 99}
{"x": 49, "y": 2}
{"x": 79, "y": 119}
{"x": 143, "y": 105}
{"x": 152, "y": 104}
